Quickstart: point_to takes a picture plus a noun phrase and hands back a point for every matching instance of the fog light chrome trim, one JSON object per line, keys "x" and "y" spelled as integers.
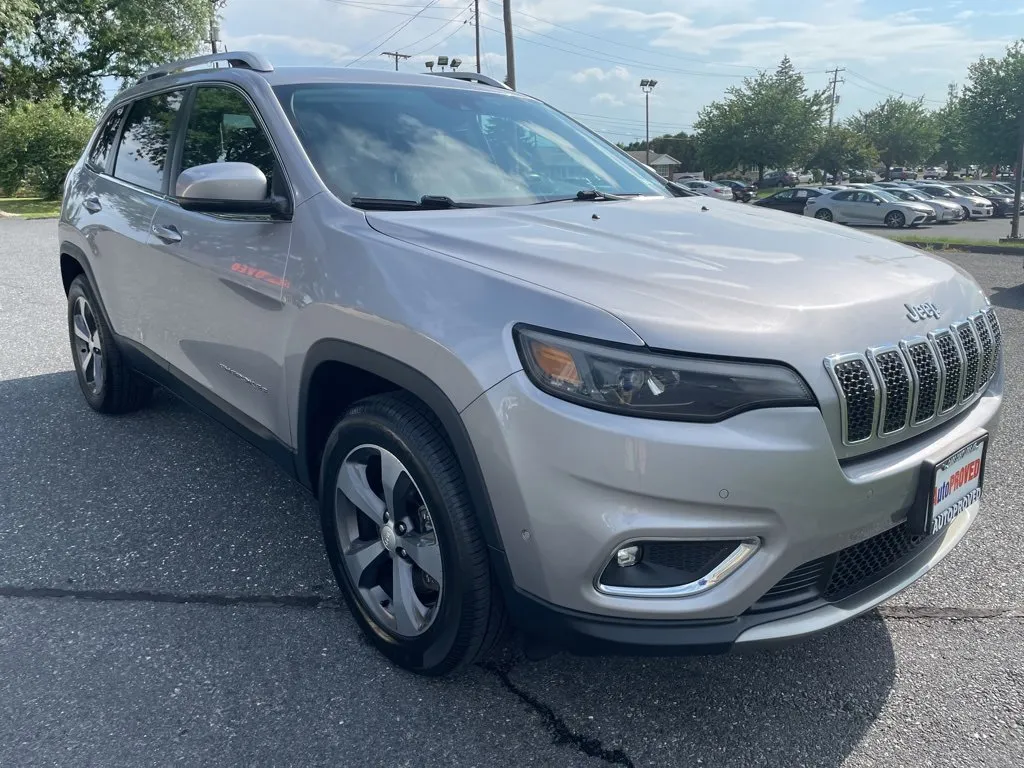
{"x": 714, "y": 577}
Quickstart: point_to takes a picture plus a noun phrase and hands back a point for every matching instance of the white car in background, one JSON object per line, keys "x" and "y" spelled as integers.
{"x": 946, "y": 211}
{"x": 868, "y": 206}
{"x": 974, "y": 207}
{"x": 708, "y": 188}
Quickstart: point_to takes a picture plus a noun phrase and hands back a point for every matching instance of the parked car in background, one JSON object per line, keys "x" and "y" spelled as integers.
{"x": 1002, "y": 187}
{"x": 791, "y": 200}
{"x": 899, "y": 172}
{"x": 974, "y": 206}
{"x": 1002, "y": 203}
{"x": 742, "y": 191}
{"x": 708, "y": 188}
{"x": 933, "y": 172}
{"x": 833, "y": 187}
{"x": 868, "y": 206}
{"x": 779, "y": 179}
{"x": 946, "y": 212}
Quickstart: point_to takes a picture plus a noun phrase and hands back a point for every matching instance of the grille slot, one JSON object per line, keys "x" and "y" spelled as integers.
{"x": 895, "y": 380}
{"x": 988, "y": 349}
{"x": 972, "y": 358}
{"x": 910, "y": 383}
{"x": 925, "y": 368}
{"x": 857, "y": 388}
{"x": 953, "y": 365}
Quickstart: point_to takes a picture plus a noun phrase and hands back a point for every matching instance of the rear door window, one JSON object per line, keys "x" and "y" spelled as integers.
{"x": 142, "y": 154}
{"x": 101, "y": 149}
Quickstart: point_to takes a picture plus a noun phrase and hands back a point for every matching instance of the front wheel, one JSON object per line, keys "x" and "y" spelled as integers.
{"x": 106, "y": 381}
{"x": 403, "y": 540}
{"x": 824, "y": 214}
{"x": 895, "y": 220}
{"x": 967, "y": 212}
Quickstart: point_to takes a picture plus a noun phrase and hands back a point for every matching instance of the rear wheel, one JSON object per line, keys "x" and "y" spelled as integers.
{"x": 403, "y": 540}
{"x": 824, "y": 214}
{"x": 106, "y": 381}
{"x": 895, "y": 220}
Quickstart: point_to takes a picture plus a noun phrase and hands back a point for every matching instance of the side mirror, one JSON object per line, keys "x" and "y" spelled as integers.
{"x": 227, "y": 188}
{"x": 878, "y": 202}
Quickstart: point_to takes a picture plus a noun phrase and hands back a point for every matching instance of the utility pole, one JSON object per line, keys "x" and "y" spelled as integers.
{"x": 214, "y": 27}
{"x": 832, "y": 100}
{"x": 476, "y": 16}
{"x": 1018, "y": 171}
{"x": 396, "y": 56}
{"x": 510, "y": 53}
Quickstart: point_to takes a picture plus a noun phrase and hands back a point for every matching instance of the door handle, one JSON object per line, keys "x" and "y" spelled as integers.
{"x": 92, "y": 204}
{"x": 168, "y": 234}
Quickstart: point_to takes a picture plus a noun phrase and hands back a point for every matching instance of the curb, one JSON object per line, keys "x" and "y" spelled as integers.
{"x": 1004, "y": 250}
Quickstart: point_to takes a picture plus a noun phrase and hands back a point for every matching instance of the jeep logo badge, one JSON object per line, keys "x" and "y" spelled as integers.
{"x": 918, "y": 312}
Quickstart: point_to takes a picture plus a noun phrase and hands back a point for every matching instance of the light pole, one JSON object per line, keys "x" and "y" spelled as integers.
{"x": 647, "y": 86}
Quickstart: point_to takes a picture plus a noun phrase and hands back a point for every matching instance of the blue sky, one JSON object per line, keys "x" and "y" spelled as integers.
{"x": 587, "y": 57}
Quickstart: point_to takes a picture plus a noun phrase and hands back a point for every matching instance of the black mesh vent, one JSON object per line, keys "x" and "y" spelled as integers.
{"x": 954, "y": 369}
{"x": 893, "y": 374}
{"x": 864, "y": 563}
{"x": 798, "y": 586}
{"x": 695, "y": 558}
{"x": 923, "y": 361}
{"x": 988, "y": 349}
{"x": 859, "y": 390}
{"x": 972, "y": 360}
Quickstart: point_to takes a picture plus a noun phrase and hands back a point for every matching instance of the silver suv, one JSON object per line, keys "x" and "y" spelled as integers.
{"x": 529, "y": 381}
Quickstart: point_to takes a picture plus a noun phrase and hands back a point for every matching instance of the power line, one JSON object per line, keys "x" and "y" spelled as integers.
{"x": 902, "y": 94}
{"x": 444, "y": 39}
{"x": 431, "y": 34}
{"x": 395, "y": 32}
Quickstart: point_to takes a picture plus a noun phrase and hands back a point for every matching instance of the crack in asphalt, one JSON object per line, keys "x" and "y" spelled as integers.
{"x": 181, "y": 598}
{"x": 560, "y": 730}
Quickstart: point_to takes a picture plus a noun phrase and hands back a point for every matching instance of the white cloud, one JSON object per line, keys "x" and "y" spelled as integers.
{"x": 607, "y": 99}
{"x": 334, "y": 52}
{"x": 600, "y": 75}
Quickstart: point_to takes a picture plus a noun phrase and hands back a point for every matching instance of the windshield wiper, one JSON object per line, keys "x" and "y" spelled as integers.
{"x": 425, "y": 203}
{"x": 590, "y": 195}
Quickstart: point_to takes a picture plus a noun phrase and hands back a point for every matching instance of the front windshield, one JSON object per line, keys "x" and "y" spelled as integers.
{"x": 886, "y": 196}
{"x": 482, "y": 146}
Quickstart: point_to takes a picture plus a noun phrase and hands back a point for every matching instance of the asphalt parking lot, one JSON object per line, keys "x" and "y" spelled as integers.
{"x": 975, "y": 229}
{"x": 164, "y": 600}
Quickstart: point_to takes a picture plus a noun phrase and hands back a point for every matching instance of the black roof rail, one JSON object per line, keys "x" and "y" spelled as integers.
{"x": 473, "y": 77}
{"x": 243, "y": 59}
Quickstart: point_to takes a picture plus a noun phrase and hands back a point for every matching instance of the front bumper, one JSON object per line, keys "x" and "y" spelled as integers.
{"x": 570, "y": 485}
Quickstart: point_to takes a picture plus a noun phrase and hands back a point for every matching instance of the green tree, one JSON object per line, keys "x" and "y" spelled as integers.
{"x": 69, "y": 46}
{"x": 843, "y": 148}
{"x": 951, "y": 149}
{"x": 993, "y": 107}
{"x": 902, "y": 132}
{"x": 39, "y": 142}
{"x": 771, "y": 121}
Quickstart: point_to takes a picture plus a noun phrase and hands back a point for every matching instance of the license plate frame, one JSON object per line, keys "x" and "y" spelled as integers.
{"x": 922, "y": 518}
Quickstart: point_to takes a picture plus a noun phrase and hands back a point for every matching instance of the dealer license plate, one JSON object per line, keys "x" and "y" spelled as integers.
{"x": 956, "y": 486}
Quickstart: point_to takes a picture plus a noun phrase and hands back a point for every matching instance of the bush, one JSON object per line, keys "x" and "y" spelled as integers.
{"x": 39, "y": 142}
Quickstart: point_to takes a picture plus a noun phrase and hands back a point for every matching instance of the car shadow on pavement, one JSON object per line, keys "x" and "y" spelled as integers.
{"x": 164, "y": 501}
{"x": 1008, "y": 298}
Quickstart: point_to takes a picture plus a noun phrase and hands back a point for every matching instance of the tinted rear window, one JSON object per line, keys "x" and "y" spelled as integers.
{"x": 105, "y": 142}
{"x": 142, "y": 153}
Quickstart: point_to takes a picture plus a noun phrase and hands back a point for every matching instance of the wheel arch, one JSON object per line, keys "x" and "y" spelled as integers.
{"x": 365, "y": 372}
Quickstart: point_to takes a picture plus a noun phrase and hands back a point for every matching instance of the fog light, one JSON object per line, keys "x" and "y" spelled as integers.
{"x": 627, "y": 556}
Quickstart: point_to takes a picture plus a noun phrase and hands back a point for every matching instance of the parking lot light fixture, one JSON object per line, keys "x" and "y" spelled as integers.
{"x": 647, "y": 86}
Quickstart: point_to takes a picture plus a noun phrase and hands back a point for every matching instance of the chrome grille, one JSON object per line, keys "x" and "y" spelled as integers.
{"x": 887, "y": 389}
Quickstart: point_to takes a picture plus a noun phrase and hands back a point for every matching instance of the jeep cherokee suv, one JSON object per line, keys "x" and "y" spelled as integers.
{"x": 529, "y": 381}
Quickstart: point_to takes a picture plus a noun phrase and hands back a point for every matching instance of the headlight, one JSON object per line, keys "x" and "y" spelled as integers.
{"x": 654, "y": 385}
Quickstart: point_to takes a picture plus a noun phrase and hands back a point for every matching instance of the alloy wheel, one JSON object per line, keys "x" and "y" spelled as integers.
{"x": 824, "y": 215}
{"x": 88, "y": 344}
{"x": 895, "y": 220}
{"x": 387, "y": 541}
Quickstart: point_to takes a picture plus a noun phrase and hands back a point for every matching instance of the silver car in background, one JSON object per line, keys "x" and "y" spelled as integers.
{"x": 869, "y": 206}
{"x": 973, "y": 206}
{"x": 946, "y": 212}
{"x": 708, "y": 188}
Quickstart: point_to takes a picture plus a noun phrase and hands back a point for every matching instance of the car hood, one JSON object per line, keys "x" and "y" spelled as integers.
{"x": 706, "y": 276}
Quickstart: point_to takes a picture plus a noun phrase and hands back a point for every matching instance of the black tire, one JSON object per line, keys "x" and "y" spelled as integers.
{"x": 120, "y": 389}
{"x": 823, "y": 214}
{"x": 967, "y": 213}
{"x": 895, "y": 220}
{"x": 470, "y": 617}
